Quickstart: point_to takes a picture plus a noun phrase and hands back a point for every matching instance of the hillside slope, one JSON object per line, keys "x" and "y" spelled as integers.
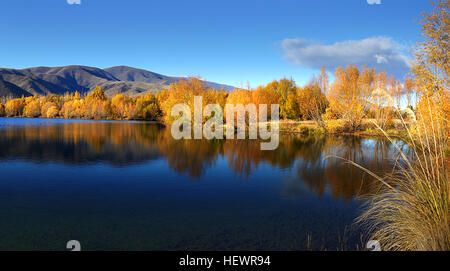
{"x": 59, "y": 80}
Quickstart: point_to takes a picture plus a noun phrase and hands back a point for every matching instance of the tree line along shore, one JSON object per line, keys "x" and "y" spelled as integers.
{"x": 358, "y": 101}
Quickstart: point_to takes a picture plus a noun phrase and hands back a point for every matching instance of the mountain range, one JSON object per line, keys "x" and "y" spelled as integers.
{"x": 59, "y": 80}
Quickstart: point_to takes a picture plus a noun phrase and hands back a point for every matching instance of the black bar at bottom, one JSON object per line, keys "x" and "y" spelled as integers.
{"x": 228, "y": 261}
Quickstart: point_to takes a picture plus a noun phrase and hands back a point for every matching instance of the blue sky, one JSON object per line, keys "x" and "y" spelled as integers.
{"x": 229, "y": 42}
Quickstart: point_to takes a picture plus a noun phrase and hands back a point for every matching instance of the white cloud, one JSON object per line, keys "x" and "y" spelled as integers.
{"x": 76, "y": 2}
{"x": 381, "y": 59}
{"x": 372, "y": 2}
{"x": 382, "y": 53}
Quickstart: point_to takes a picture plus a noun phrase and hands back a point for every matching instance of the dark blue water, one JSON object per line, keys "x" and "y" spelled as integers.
{"x": 130, "y": 186}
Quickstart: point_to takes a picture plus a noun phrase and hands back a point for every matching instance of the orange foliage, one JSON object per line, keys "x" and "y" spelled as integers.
{"x": 32, "y": 108}
{"x": 45, "y": 107}
{"x": 118, "y": 104}
{"x": 72, "y": 109}
{"x": 147, "y": 107}
{"x": 433, "y": 111}
{"x": 350, "y": 95}
{"x": 181, "y": 92}
{"x": 52, "y": 112}
{"x": 286, "y": 90}
{"x": 262, "y": 95}
{"x": 14, "y": 107}
{"x": 311, "y": 102}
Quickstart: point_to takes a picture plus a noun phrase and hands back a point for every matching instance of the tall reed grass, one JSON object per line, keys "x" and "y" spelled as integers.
{"x": 412, "y": 212}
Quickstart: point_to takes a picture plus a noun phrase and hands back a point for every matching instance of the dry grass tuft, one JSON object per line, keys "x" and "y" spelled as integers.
{"x": 412, "y": 212}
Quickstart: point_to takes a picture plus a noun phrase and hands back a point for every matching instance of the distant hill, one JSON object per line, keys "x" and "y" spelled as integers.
{"x": 59, "y": 80}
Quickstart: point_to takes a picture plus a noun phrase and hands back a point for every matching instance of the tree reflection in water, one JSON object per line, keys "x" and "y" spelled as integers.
{"x": 128, "y": 143}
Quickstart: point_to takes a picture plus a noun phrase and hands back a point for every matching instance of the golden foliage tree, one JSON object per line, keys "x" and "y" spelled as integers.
{"x": 323, "y": 82}
{"x": 431, "y": 59}
{"x": 312, "y": 102}
{"x": 286, "y": 90}
{"x": 263, "y": 95}
{"x": 96, "y": 105}
{"x": 14, "y": 107}
{"x": 213, "y": 96}
{"x": 32, "y": 108}
{"x": 46, "y": 106}
{"x": 52, "y": 112}
{"x": 239, "y": 96}
{"x": 409, "y": 89}
{"x": 349, "y": 95}
{"x": 382, "y": 102}
{"x": 431, "y": 66}
{"x": 147, "y": 107}
{"x": 395, "y": 91}
{"x": 181, "y": 92}
{"x": 72, "y": 109}
{"x": 118, "y": 104}
{"x": 97, "y": 94}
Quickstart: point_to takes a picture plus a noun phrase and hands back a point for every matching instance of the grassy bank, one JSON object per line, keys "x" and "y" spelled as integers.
{"x": 368, "y": 129}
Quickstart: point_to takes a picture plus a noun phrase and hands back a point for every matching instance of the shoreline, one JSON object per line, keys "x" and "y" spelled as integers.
{"x": 308, "y": 128}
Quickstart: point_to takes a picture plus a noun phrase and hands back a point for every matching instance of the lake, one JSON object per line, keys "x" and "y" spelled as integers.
{"x": 131, "y": 186}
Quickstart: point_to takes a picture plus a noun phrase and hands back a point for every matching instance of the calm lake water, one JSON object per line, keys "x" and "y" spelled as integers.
{"x": 131, "y": 186}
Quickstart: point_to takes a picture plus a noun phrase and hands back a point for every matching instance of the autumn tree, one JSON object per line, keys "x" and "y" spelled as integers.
{"x": 14, "y": 107}
{"x": 56, "y": 99}
{"x": 99, "y": 109}
{"x": 118, "y": 104}
{"x": 312, "y": 102}
{"x": 214, "y": 96}
{"x": 32, "y": 108}
{"x": 181, "y": 92}
{"x": 286, "y": 90}
{"x": 240, "y": 96}
{"x": 147, "y": 107}
{"x": 395, "y": 90}
{"x": 431, "y": 59}
{"x": 323, "y": 81}
{"x": 46, "y": 104}
{"x": 73, "y": 106}
{"x": 349, "y": 95}
{"x": 263, "y": 95}
{"x": 96, "y": 105}
{"x": 409, "y": 90}
{"x": 97, "y": 94}
{"x": 431, "y": 67}
{"x": 382, "y": 102}
{"x": 52, "y": 112}
{"x": 236, "y": 97}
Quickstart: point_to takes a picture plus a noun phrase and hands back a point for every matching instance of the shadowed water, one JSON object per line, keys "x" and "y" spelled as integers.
{"x": 131, "y": 186}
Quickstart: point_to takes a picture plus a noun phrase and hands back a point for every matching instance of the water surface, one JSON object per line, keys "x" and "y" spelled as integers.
{"x": 131, "y": 186}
